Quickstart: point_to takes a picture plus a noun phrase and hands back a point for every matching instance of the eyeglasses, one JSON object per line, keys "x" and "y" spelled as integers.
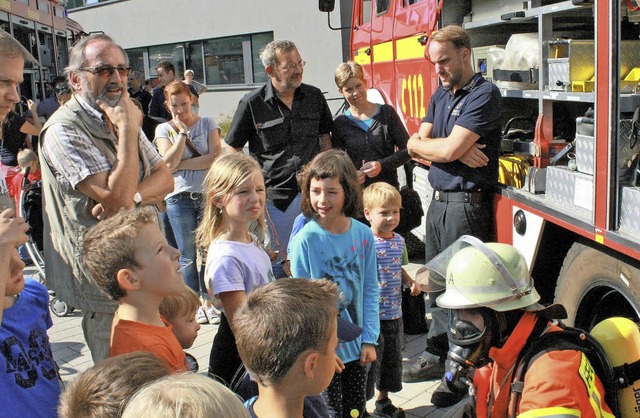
{"x": 107, "y": 70}
{"x": 292, "y": 66}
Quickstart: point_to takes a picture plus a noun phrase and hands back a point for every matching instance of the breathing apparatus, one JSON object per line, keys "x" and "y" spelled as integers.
{"x": 482, "y": 282}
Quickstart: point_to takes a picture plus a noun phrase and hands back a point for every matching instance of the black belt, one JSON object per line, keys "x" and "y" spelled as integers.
{"x": 460, "y": 197}
{"x": 190, "y": 195}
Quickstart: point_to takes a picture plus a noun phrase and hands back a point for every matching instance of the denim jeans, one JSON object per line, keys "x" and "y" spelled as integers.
{"x": 184, "y": 211}
{"x": 280, "y": 224}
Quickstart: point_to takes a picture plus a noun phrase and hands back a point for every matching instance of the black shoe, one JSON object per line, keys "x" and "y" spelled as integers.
{"x": 386, "y": 409}
{"x": 443, "y": 396}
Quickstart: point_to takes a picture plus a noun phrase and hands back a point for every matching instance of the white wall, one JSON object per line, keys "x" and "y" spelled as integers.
{"x": 139, "y": 23}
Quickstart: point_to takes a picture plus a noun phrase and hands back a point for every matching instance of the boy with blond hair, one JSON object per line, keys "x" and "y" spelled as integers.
{"x": 382, "y": 203}
{"x": 180, "y": 311}
{"x": 287, "y": 332}
{"x": 103, "y": 390}
{"x": 128, "y": 257}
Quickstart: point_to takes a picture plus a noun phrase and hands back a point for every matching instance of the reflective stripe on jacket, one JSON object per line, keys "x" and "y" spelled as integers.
{"x": 559, "y": 383}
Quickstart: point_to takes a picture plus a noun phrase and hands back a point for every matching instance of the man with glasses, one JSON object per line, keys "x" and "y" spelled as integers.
{"x": 94, "y": 162}
{"x": 286, "y": 124}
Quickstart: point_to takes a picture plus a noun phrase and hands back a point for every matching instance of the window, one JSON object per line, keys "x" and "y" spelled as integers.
{"x": 136, "y": 59}
{"x": 194, "y": 61}
{"x": 257, "y": 43}
{"x": 43, "y": 5}
{"x": 172, "y": 52}
{"x": 63, "y": 52}
{"x": 382, "y": 6}
{"x": 224, "y": 61}
{"x": 366, "y": 12}
{"x": 221, "y": 61}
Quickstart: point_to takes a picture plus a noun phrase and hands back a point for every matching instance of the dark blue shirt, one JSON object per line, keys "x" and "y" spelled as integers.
{"x": 281, "y": 139}
{"x": 476, "y": 107}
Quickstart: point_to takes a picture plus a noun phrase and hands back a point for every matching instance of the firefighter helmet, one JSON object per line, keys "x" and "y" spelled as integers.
{"x": 488, "y": 275}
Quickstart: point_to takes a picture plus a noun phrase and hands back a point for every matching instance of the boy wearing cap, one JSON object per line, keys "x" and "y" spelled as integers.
{"x": 287, "y": 332}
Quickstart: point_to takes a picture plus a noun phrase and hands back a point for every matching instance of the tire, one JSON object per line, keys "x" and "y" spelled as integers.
{"x": 593, "y": 286}
{"x": 58, "y": 307}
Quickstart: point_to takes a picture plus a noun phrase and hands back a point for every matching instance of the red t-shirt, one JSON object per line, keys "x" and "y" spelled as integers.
{"x": 130, "y": 336}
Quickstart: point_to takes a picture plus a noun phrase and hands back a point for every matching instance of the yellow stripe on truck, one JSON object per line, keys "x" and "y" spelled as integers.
{"x": 361, "y": 56}
{"x": 409, "y": 48}
{"x": 383, "y": 52}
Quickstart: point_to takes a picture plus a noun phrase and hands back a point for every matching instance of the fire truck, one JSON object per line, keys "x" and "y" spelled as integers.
{"x": 569, "y": 196}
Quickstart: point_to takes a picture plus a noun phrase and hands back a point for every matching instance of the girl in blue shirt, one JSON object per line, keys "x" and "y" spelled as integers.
{"x": 335, "y": 246}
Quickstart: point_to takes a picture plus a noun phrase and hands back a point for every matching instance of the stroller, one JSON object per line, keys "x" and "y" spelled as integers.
{"x": 30, "y": 208}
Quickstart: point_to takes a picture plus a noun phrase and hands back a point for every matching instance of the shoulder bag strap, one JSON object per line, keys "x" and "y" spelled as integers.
{"x": 188, "y": 143}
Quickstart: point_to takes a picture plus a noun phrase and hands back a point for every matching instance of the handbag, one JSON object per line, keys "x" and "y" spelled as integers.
{"x": 413, "y": 313}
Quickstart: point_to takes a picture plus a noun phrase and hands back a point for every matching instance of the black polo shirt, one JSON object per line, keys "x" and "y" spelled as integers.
{"x": 281, "y": 139}
{"x": 476, "y": 107}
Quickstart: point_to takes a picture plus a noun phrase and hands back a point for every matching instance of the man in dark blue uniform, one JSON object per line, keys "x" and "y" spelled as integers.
{"x": 461, "y": 137}
{"x": 286, "y": 124}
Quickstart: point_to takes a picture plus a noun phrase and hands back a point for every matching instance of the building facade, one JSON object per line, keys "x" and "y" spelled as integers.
{"x": 220, "y": 42}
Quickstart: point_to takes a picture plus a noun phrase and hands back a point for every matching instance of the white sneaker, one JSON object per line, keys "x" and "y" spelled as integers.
{"x": 201, "y": 316}
{"x": 213, "y": 315}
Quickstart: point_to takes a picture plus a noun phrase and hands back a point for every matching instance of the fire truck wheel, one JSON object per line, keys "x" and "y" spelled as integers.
{"x": 594, "y": 286}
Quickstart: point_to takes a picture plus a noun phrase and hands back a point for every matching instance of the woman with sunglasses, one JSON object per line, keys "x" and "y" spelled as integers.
{"x": 188, "y": 144}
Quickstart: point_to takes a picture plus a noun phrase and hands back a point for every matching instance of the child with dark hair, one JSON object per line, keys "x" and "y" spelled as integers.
{"x": 335, "y": 246}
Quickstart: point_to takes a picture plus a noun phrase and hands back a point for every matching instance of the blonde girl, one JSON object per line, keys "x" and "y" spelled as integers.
{"x": 234, "y": 194}
{"x": 333, "y": 245}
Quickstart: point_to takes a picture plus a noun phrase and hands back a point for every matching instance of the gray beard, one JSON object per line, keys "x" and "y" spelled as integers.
{"x": 91, "y": 99}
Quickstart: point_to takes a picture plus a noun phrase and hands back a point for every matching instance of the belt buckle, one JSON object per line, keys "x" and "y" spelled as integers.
{"x": 436, "y": 195}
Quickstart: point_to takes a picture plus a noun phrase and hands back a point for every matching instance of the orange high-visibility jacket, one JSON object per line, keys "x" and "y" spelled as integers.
{"x": 559, "y": 384}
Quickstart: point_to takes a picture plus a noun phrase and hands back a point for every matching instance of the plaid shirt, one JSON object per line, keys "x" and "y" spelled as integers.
{"x": 73, "y": 158}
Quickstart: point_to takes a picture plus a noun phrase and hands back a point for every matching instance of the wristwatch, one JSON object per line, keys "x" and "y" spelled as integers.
{"x": 137, "y": 198}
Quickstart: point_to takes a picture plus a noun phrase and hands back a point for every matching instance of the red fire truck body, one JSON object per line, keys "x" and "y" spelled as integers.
{"x": 579, "y": 229}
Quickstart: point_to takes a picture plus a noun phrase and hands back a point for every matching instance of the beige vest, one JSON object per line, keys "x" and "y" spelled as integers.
{"x": 67, "y": 215}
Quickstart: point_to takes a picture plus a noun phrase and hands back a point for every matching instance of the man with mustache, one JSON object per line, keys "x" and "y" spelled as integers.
{"x": 94, "y": 162}
{"x": 286, "y": 124}
{"x": 460, "y": 135}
